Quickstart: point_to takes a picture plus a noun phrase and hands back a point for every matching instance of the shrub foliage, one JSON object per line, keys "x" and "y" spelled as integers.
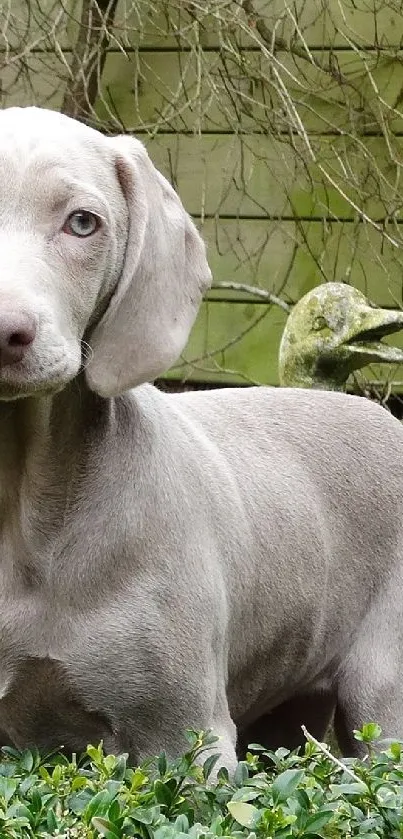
{"x": 306, "y": 794}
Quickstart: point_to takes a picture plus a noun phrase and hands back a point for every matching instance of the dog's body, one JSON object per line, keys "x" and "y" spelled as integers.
{"x": 168, "y": 562}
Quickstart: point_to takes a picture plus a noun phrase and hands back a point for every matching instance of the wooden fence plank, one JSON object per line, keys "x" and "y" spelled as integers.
{"x": 289, "y": 258}
{"x": 263, "y": 176}
{"x": 148, "y": 24}
{"x": 177, "y": 92}
{"x": 172, "y": 91}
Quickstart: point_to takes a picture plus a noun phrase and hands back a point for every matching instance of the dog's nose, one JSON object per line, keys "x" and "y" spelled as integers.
{"x": 17, "y": 332}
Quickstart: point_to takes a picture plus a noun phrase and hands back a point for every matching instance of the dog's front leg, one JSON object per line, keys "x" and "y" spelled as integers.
{"x": 167, "y": 732}
{"x": 188, "y": 702}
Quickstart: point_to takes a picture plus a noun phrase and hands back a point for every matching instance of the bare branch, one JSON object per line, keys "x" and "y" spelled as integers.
{"x": 256, "y": 292}
{"x": 89, "y": 57}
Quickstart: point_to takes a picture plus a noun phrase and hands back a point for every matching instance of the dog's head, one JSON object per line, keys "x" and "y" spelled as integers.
{"x": 98, "y": 259}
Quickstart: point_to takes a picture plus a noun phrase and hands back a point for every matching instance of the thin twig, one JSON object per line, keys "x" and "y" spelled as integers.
{"x": 335, "y": 760}
{"x": 258, "y": 292}
{"x": 89, "y": 57}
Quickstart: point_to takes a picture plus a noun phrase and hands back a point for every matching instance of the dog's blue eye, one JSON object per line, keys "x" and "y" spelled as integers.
{"x": 81, "y": 223}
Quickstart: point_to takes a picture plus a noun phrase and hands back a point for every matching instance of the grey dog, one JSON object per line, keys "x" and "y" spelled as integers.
{"x": 229, "y": 559}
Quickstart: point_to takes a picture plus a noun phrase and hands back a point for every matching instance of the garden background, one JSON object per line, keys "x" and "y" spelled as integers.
{"x": 280, "y": 123}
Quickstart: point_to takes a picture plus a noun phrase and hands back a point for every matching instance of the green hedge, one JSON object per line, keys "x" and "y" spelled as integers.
{"x": 273, "y": 794}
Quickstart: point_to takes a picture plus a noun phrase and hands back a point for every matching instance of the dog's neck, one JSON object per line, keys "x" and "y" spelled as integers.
{"x": 44, "y": 445}
{"x": 43, "y": 436}
{"x": 25, "y": 438}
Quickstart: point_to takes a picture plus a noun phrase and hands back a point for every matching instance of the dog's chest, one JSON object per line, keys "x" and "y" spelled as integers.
{"x": 33, "y": 685}
{"x": 63, "y": 615}
{"x": 41, "y": 706}
{"x": 45, "y": 690}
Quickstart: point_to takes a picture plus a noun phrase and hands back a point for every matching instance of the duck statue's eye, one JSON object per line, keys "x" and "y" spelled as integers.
{"x": 319, "y": 323}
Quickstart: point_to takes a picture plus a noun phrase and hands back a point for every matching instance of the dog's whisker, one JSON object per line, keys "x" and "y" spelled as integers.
{"x": 87, "y": 354}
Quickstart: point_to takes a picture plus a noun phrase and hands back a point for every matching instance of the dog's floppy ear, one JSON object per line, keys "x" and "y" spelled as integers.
{"x": 164, "y": 275}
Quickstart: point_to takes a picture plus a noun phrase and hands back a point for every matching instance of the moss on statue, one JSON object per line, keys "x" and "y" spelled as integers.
{"x": 331, "y": 332}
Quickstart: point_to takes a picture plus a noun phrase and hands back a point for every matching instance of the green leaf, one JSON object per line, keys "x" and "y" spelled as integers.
{"x": 44, "y": 774}
{"x": 209, "y": 765}
{"x": 371, "y": 835}
{"x": 26, "y": 784}
{"x": 11, "y": 752}
{"x": 317, "y": 836}
{"x": 145, "y": 815}
{"x": 162, "y": 793}
{"x": 245, "y": 814}
{"x": 396, "y": 751}
{"x": 120, "y": 767}
{"x": 192, "y": 737}
{"x": 105, "y": 828}
{"x": 246, "y": 794}
{"x": 286, "y": 783}
{"x": 98, "y": 804}
{"x": 51, "y": 821}
{"x": 114, "y": 811}
{"x": 22, "y": 812}
{"x": 137, "y": 779}
{"x": 113, "y": 787}
{"x": 318, "y": 820}
{"x": 27, "y": 760}
{"x": 303, "y": 799}
{"x": 110, "y": 764}
{"x": 255, "y": 747}
{"x": 8, "y": 787}
{"x": 78, "y": 802}
{"x": 357, "y": 788}
{"x": 368, "y": 733}
{"x": 36, "y": 802}
{"x": 181, "y": 824}
{"x": 57, "y": 775}
{"x": 78, "y": 783}
{"x": 162, "y": 763}
{"x": 241, "y": 774}
{"x": 209, "y": 738}
{"x": 96, "y": 754}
